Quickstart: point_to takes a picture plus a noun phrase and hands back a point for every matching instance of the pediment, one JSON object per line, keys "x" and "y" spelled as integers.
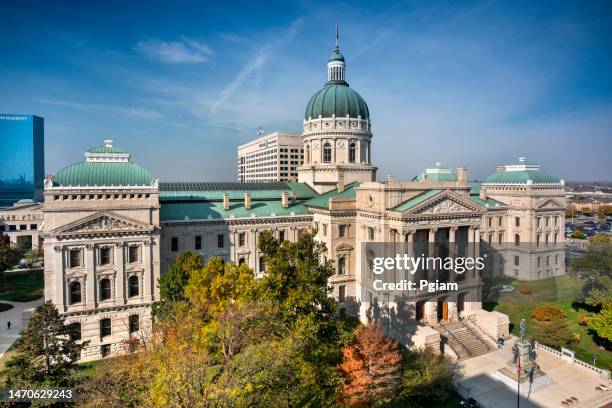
{"x": 444, "y": 203}
{"x": 549, "y": 203}
{"x": 103, "y": 222}
{"x": 343, "y": 246}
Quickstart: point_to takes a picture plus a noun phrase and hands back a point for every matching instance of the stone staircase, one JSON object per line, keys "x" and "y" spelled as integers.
{"x": 463, "y": 339}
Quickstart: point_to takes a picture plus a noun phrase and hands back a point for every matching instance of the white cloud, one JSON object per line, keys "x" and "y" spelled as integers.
{"x": 185, "y": 51}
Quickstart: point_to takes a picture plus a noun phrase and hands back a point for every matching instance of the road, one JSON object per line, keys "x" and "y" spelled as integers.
{"x": 8, "y": 337}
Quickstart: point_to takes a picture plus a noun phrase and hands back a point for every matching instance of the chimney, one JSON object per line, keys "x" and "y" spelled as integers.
{"x": 285, "y": 199}
{"x": 391, "y": 178}
{"x": 462, "y": 175}
{"x": 293, "y": 196}
{"x": 225, "y": 201}
{"x": 500, "y": 169}
{"x": 247, "y": 200}
{"x": 340, "y": 183}
{"x": 483, "y": 194}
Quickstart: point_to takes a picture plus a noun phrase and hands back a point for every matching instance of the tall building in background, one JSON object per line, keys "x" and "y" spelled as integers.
{"x": 22, "y": 158}
{"x": 273, "y": 157}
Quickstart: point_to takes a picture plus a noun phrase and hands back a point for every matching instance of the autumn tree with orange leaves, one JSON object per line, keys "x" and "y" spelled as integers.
{"x": 370, "y": 367}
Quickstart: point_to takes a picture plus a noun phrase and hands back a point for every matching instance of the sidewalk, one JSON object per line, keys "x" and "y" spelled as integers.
{"x": 8, "y": 337}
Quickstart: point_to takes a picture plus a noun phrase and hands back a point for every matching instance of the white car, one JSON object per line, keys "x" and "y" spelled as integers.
{"x": 506, "y": 289}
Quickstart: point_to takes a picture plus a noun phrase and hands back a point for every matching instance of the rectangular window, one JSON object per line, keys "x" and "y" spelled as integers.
{"x": 499, "y": 221}
{"x": 134, "y": 253}
{"x": 33, "y": 226}
{"x": 342, "y": 231}
{"x": 548, "y": 261}
{"x": 105, "y": 350}
{"x": 281, "y": 235}
{"x": 516, "y": 260}
{"x": 23, "y": 227}
{"x": 324, "y": 230}
{"x": 241, "y": 239}
{"x": 105, "y": 256}
{"x": 134, "y": 323}
{"x": 75, "y": 258}
{"x": 174, "y": 244}
{"x": 220, "y": 241}
{"x": 539, "y": 261}
{"x": 490, "y": 221}
{"x": 74, "y": 331}
{"x": 105, "y": 327}
{"x": 517, "y": 222}
{"x": 2, "y": 228}
{"x": 12, "y": 228}
{"x": 341, "y": 293}
{"x": 198, "y": 242}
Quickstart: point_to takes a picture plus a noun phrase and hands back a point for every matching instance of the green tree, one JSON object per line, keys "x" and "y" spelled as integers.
{"x": 172, "y": 283}
{"x": 554, "y": 333}
{"x": 46, "y": 353}
{"x": 597, "y": 260}
{"x": 599, "y": 291}
{"x": 427, "y": 379}
{"x": 9, "y": 255}
{"x": 601, "y": 323}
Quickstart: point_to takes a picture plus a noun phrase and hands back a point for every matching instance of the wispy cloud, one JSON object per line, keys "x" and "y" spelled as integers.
{"x": 255, "y": 63}
{"x": 185, "y": 51}
{"x": 141, "y": 113}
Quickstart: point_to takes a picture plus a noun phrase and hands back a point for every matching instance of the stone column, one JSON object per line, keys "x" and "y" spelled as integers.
{"x": 91, "y": 275}
{"x": 432, "y": 252}
{"x": 119, "y": 260}
{"x": 148, "y": 269}
{"x": 60, "y": 281}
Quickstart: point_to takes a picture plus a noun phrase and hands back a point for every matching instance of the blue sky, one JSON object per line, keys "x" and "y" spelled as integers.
{"x": 181, "y": 84}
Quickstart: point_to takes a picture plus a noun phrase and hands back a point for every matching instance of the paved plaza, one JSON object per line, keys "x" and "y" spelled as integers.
{"x": 567, "y": 381}
{"x": 8, "y": 337}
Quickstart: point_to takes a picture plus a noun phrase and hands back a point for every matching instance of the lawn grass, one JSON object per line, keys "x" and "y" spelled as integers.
{"x": 23, "y": 286}
{"x": 563, "y": 292}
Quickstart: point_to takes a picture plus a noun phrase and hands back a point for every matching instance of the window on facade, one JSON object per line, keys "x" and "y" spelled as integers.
{"x": 517, "y": 260}
{"x": 538, "y": 222}
{"x": 501, "y": 237}
{"x": 281, "y": 235}
{"x": 33, "y": 226}
{"x": 324, "y": 230}
{"x": 105, "y": 350}
{"x": 517, "y": 221}
{"x": 105, "y": 289}
{"x": 370, "y": 233}
{"x": 341, "y": 293}
{"x": 342, "y": 231}
{"x": 539, "y": 261}
{"x": 341, "y": 265}
{"x": 327, "y": 153}
{"x": 23, "y": 227}
{"x": 133, "y": 286}
{"x": 75, "y": 257}
{"x": 105, "y": 256}
{"x": 517, "y": 240}
{"x": 548, "y": 261}
{"x": 242, "y": 239}
{"x": 220, "y": 241}
{"x": 134, "y": 323}
{"x": 74, "y": 331}
{"x": 241, "y": 261}
{"x": 75, "y": 292}
{"x": 262, "y": 264}
{"x": 352, "y": 153}
{"x": 105, "y": 327}
{"x": 174, "y": 244}
{"x": 134, "y": 253}
{"x": 499, "y": 221}
{"x": 490, "y": 221}
{"x": 198, "y": 242}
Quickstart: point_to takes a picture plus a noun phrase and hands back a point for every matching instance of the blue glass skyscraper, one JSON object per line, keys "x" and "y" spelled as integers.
{"x": 22, "y": 158}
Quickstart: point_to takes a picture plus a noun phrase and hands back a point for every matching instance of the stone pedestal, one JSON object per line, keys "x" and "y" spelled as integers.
{"x": 521, "y": 373}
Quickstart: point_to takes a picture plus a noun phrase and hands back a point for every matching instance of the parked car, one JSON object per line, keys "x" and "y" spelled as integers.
{"x": 23, "y": 265}
{"x": 590, "y": 222}
{"x": 506, "y": 289}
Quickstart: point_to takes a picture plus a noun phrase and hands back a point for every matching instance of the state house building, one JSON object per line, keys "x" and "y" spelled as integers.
{"x": 110, "y": 228}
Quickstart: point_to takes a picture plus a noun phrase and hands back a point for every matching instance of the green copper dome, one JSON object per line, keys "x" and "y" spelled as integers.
{"x": 521, "y": 172}
{"x": 336, "y": 55}
{"x": 336, "y": 98}
{"x": 106, "y": 149}
{"x": 103, "y": 174}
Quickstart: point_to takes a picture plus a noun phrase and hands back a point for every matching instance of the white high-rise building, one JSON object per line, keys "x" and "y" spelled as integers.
{"x": 272, "y": 157}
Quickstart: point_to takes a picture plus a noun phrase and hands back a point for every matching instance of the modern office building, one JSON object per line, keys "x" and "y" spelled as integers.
{"x": 22, "y": 158}
{"x": 273, "y": 157}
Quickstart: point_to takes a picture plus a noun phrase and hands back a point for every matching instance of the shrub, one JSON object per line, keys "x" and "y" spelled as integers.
{"x": 524, "y": 289}
{"x": 548, "y": 313}
{"x": 583, "y": 320}
{"x": 577, "y": 234}
{"x": 576, "y": 337}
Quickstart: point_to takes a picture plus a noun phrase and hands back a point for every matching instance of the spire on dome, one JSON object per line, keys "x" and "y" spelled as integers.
{"x": 336, "y": 64}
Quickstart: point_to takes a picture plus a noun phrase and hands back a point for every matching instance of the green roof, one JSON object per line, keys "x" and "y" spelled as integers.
{"x": 416, "y": 200}
{"x": 189, "y": 211}
{"x": 336, "y": 98}
{"x": 107, "y": 149}
{"x": 475, "y": 188}
{"x": 322, "y": 201}
{"x": 214, "y": 191}
{"x": 103, "y": 174}
{"x": 521, "y": 177}
{"x": 336, "y": 55}
{"x": 489, "y": 202}
{"x": 437, "y": 177}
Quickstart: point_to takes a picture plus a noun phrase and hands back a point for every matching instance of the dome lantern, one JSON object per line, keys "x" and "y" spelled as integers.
{"x": 336, "y": 64}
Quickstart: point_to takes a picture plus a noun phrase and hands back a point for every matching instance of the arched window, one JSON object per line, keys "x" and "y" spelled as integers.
{"x": 341, "y": 265}
{"x": 327, "y": 154}
{"x": 538, "y": 240}
{"x": 517, "y": 240}
{"x": 133, "y": 286}
{"x": 241, "y": 261}
{"x": 352, "y": 152}
{"x": 105, "y": 289}
{"x": 75, "y": 292}
{"x": 262, "y": 265}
